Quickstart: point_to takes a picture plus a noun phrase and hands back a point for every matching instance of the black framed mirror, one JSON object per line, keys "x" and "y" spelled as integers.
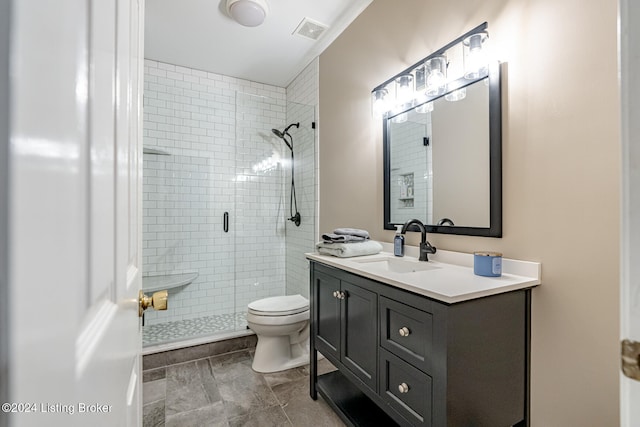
{"x": 443, "y": 160}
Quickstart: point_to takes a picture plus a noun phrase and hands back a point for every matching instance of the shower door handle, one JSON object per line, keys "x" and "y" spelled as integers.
{"x": 225, "y": 222}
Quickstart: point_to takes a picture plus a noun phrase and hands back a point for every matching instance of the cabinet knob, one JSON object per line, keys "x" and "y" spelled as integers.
{"x": 404, "y": 331}
{"x": 403, "y": 388}
{"x": 339, "y": 294}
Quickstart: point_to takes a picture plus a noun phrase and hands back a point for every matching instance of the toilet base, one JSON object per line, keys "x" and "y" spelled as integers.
{"x": 275, "y": 354}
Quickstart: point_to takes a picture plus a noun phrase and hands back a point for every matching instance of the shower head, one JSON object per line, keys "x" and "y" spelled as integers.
{"x": 281, "y": 136}
{"x": 286, "y": 132}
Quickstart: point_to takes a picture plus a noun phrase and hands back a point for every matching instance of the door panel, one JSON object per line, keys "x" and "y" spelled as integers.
{"x": 48, "y": 208}
{"x": 74, "y": 184}
{"x": 328, "y": 315}
{"x": 102, "y": 162}
{"x": 360, "y": 332}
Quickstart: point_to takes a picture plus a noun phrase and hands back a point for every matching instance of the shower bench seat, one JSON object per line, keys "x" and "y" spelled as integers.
{"x": 169, "y": 281}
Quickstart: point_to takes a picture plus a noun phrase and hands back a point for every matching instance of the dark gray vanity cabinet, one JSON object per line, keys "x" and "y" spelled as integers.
{"x": 345, "y": 325}
{"x": 409, "y": 360}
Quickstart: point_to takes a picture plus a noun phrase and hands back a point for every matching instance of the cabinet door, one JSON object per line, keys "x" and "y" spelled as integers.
{"x": 327, "y": 314}
{"x": 359, "y": 333}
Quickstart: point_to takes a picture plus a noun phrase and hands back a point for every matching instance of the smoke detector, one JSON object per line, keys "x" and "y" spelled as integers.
{"x": 310, "y": 29}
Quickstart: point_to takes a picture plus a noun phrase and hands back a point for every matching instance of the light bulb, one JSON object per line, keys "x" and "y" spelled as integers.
{"x": 436, "y": 75}
{"x": 404, "y": 89}
{"x": 475, "y": 59}
{"x": 379, "y": 104}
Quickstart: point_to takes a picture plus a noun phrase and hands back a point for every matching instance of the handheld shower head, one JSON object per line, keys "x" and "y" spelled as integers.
{"x": 282, "y": 134}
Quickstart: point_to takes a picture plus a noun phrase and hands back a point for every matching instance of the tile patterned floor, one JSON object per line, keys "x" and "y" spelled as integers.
{"x": 193, "y": 328}
{"x": 224, "y": 391}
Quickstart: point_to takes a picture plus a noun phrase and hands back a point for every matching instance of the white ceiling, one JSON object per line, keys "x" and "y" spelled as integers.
{"x": 199, "y": 34}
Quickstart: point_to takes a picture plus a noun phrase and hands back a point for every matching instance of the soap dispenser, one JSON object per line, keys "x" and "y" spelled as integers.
{"x": 398, "y": 242}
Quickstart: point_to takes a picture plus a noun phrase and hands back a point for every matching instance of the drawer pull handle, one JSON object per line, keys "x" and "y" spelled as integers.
{"x": 403, "y": 388}
{"x": 336, "y": 294}
{"x": 404, "y": 331}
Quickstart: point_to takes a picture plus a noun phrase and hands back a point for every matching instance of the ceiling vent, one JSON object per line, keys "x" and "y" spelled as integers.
{"x": 310, "y": 29}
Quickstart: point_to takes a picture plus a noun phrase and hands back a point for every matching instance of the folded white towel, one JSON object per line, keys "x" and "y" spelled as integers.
{"x": 347, "y": 250}
{"x": 352, "y": 232}
{"x": 341, "y": 238}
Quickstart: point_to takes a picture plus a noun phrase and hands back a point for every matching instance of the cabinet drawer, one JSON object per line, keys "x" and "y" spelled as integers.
{"x": 406, "y": 389}
{"x": 406, "y": 332}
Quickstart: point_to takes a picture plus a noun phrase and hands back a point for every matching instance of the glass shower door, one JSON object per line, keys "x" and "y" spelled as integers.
{"x": 258, "y": 218}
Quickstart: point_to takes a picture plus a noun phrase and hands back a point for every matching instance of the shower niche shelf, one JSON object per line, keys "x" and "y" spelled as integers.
{"x": 170, "y": 281}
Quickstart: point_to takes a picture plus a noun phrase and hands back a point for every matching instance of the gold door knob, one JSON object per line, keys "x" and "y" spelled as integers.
{"x": 158, "y": 301}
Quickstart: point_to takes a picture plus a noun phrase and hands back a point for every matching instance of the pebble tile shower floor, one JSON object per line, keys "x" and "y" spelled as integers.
{"x": 192, "y": 328}
{"x": 223, "y": 390}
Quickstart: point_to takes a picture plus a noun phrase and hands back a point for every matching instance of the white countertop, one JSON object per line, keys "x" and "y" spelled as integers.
{"x": 451, "y": 278}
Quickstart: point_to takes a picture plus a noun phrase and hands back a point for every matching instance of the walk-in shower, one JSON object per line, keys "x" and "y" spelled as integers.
{"x": 222, "y": 157}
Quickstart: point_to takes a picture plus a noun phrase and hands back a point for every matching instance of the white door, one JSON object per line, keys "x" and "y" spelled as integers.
{"x": 630, "y": 237}
{"x": 74, "y": 213}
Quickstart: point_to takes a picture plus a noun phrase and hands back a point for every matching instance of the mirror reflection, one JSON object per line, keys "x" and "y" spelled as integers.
{"x": 439, "y": 160}
{"x": 443, "y": 160}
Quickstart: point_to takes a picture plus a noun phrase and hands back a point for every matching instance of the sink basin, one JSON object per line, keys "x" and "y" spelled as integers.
{"x": 395, "y": 265}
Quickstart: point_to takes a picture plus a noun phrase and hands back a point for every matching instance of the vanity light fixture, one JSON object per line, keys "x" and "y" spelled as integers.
{"x": 425, "y": 108}
{"x": 475, "y": 61}
{"x": 456, "y": 95}
{"x": 249, "y": 13}
{"x": 427, "y": 80}
{"x": 400, "y": 118}
{"x": 436, "y": 75}
{"x": 379, "y": 102}
{"x": 404, "y": 89}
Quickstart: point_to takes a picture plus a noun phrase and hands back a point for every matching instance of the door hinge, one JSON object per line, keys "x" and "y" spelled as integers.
{"x": 631, "y": 359}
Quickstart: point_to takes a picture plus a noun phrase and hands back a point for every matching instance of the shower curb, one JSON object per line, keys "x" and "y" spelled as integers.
{"x": 181, "y": 355}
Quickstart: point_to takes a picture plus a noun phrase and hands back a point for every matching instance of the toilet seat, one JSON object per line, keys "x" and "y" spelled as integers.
{"x": 279, "y": 306}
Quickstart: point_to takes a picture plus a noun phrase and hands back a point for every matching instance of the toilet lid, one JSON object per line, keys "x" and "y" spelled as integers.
{"x": 279, "y": 306}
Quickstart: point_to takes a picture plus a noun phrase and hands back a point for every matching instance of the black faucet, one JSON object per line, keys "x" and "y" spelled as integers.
{"x": 425, "y": 247}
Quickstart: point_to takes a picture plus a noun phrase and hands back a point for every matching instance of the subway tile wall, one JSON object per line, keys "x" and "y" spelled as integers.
{"x": 223, "y": 158}
{"x": 414, "y": 177}
{"x": 215, "y": 128}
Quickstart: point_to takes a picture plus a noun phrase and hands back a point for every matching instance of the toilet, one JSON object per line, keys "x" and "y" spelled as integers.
{"x": 282, "y": 327}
